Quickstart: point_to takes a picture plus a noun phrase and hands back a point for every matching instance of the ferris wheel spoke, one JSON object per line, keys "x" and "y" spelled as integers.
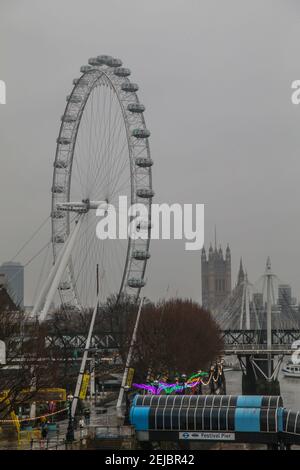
{"x": 98, "y": 138}
{"x": 102, "y": 154}
{"x": 86, "y": 248}
{"x": 114, "y": 139}
{"x": 97, "y": 173}
{"x": 121, "y": 162}
{"x": 104, "y": 176}
{"x": 98, "y": 170}
{"x": 117, "y": 160}
{"x": 106, "y": 154}
{"x": 122, "y": 186}
{"x": 118, "y": 177}
{"x": 80, "y": 151}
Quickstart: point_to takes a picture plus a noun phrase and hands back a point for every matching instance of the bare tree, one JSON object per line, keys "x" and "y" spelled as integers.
{"x": 175, "y": 337}
{"x": 28, "y": 366}
{"x": 116, "y": 317}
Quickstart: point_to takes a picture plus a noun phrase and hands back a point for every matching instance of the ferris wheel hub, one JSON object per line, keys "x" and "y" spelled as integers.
{"x": 81, "y": 206}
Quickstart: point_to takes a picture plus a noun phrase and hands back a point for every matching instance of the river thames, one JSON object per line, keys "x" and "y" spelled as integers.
{"x": 289, "y": 387}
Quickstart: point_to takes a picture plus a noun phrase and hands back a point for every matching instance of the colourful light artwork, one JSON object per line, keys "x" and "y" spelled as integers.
{"x": 168, "y": 388}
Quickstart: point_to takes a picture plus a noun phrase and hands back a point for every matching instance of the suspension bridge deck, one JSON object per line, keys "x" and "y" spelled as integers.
{"x": 248, "y": 349}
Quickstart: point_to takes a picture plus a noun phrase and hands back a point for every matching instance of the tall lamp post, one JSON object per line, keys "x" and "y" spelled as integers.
{"x": 127, "y": 404}
{"x": 70, "y": 431}
{"x": 183, "y": 381}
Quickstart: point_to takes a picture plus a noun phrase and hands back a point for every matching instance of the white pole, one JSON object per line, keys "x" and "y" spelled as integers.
{"x": 49, "y": 280}
{"x": 128, "y": 361}
{"x": 247, "y": 304}
{"x": 92, "y": 382}
{"x": 60, "y": 270}
{"x": 83, "y": 361}
{"x": 269, "y": 314}
{"x": 242, "y": 309}
{"x": 32, "y": 413}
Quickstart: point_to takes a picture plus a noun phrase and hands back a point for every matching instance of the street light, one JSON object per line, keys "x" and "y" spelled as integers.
{"x": 70, "y": 431}
{"x": 127, "y": 404}
{"x": 183, "y": 381}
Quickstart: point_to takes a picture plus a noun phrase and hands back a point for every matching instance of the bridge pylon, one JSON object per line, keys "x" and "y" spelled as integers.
{"x": 255, "y": 378}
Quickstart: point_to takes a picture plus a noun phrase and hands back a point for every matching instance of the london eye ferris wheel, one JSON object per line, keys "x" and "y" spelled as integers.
{"x": 102, "y": 153}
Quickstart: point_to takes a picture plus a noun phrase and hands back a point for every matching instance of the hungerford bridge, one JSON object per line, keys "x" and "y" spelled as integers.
{"x": 245, "y": 326}
{"x": 259, "y": 335}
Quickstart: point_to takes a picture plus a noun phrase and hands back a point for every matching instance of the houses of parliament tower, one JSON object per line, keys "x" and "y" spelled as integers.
{"x": 215, "y": 276}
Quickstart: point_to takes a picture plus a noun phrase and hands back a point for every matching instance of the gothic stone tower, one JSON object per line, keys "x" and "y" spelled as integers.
{"x": 215, "y": 276}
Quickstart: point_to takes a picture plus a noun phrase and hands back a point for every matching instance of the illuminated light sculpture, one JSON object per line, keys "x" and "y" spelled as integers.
{"x": 158, "y": 387}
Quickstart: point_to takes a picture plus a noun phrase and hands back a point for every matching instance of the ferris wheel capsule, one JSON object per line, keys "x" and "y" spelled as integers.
{"x": 129, "y": 87}
{"x": 136, "y": 283}
{"x": 73, "y": 98}
{"x": 61, "y": 164}
{"x": 145, "y": 193}
{"x": 104, "y": 59}
{"x": 58, "y": 239}
{"x": 80, "y": 81}
{"x": 114, "y": 62}
{"x": 136, "y": 108}
{"x": 58, "y": 189}
{"x": 143, "y": 162}
{"x": 141, "y": 133}
{"x": 58, "y": 214}
{"x": 144, "y": 225}
{"x": 85, "y": 68}
{"x": 141, "y": 255}
{"x": 64, "y": 286}
{"x": 68, "y": 117}
{"x": 122, "y": 72}
{"x": 63, "y": 140}
{"x": 93, "y": 61}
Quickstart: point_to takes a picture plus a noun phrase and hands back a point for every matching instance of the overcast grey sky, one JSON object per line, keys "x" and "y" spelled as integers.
{"x": 215, "y": 77}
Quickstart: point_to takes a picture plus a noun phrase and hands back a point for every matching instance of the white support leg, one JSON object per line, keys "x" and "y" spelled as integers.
{"x": 242, "y": 309}
{"x": 247, "y": 307}
{"x": 60, "y": 270}
{"x": 49, "y": 281}
{"x": 268, "y": 276}
{"x": 92, "y": 382}
{"x": 83, "y": 361}
{"x": 128, "y": 360}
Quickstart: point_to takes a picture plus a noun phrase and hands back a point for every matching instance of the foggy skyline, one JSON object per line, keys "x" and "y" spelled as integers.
{"x": 215, "y": 78}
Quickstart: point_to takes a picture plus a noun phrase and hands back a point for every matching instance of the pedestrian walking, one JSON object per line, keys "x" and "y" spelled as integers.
{"x": 87, "y": 414}
{"x": 81, "y": 426}
{"x": 44, "y": 433}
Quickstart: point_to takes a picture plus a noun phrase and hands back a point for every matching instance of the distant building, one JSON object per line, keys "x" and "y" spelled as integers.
{"x": 258, "y": 300}
{"x": 215, "y": 276}
{"x": 14, "y": 278}
{"x": 6, "y": 303}
{"x": 284, "y": 296}
{"x": 285, "y": 312}
{"x": 241, "y": 274}
{"x": 287, "y": 306}
{"x": 2, "y": 280}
